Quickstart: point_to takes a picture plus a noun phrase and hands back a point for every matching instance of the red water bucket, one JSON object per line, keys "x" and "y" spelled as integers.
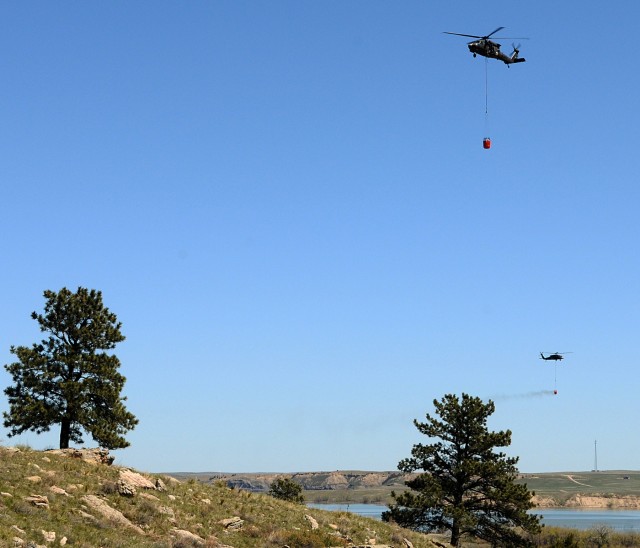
{"x": 486, "y": 143}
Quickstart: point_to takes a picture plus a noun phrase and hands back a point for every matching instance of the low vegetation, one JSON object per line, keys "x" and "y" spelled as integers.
{"x": 45, "y": 496}
{"x": 597, "y": 536}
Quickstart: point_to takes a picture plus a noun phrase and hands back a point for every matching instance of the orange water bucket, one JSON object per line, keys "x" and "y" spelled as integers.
{"x": 486, "y": 143}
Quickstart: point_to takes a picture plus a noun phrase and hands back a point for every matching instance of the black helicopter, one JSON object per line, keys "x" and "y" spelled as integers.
{"x": 555, "y": 356}
{"x": 485, "y": 47}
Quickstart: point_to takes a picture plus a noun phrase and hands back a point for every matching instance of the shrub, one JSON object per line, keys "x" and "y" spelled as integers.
{"x": 286, "y": 489}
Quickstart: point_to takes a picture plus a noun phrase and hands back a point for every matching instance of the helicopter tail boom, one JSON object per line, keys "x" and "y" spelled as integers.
{"x": 514, "y": 55}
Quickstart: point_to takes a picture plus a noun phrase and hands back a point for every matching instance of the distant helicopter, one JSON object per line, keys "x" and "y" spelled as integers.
{"x": 485, "y": 47}
{"x": 555, "y": 356}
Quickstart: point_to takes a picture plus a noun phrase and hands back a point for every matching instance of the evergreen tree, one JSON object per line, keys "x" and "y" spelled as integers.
{"x": 68, "y": 378}
{"x": 465, "y": 487}
{"x": 286, "y": 489}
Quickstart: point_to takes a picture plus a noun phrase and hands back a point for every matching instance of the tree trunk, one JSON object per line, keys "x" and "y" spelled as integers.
{"x": 65, "y": 431}
{"x": 455, "y": 533}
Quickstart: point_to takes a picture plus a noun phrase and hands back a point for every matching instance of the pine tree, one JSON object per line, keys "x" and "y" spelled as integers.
{"x": 466, "y": 487}
{"x": 286, "y": 489}
{"x": 68, "y": 378}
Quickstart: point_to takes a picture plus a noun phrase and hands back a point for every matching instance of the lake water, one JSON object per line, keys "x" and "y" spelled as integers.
{"x": 618, "y": 520}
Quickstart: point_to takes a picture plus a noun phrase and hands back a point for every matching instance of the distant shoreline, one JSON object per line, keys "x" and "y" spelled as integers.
{"x": 609, "y": 489}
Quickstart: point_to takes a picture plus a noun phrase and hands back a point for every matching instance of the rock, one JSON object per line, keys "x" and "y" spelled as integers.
{"x": 232, "y": 524}
{"x": 136, "y": 480}
{"x": 5, "y": 494}
{"x": 34, "y": 479}
{"x": 40, "y": 501}
{"x": 173, "y": 481}
{"x": 130, "y": 481}
{"x": 312, "y": 521}
{"x": 187, "y": 536}
{"x": 407, "y": 543}
{"x": 92, "y": 519}
{"x": 160, "y": 486}
{"x": 49, "y": 536}
{"x": 126, "y": 489}
{"x": 63, "y": 541}
{"x": 112, "y": 515}
{"x": 17, "y": 541}
{"x": 17, "y": 529}
{"x": 58, "y": 490}
{"x": 94, "y": 456}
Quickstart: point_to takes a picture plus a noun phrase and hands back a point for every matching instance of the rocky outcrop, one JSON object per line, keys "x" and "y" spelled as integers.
{"x": 627, "y": 502}
{"x": 313, "y": 481}
{"x": 187, "y": 537}
{"x": 110, "y": 514}
{"x": 616, "y": 502}
{"x": 94, "y": 456}
{"x": 129, "y": 482}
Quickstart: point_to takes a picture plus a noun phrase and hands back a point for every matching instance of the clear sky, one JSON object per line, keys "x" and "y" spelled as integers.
{"x": 288, "y": 206}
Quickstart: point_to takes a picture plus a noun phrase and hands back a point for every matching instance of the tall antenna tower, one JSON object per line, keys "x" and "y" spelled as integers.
{"x": 595, "y": 456}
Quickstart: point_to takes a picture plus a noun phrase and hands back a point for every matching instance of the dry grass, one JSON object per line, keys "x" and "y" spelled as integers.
{"x": 191, "y": 506}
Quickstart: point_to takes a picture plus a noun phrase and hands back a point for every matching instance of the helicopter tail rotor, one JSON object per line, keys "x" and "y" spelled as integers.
{"x": 514, "y": 55}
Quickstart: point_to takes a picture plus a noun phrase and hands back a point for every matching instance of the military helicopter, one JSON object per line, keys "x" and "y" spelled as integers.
{"x": 555, "y": 356}
{"x": 487, "y": 48}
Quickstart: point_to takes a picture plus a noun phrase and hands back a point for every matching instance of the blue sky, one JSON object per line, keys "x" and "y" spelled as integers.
{"x": 289, "y": 208}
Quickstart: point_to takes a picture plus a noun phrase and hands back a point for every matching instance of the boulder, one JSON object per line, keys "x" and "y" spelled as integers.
{"x": 232, "y": 524}
{"x": 39, "y": 501}
{"x": 126, "y": 489}
{"x": 58, "y": 490}
{"x": 312, "y": 521}
{"x": 111, "y": 514}
{"x": 187, "y": 536}
{"x": 135, "y": 480}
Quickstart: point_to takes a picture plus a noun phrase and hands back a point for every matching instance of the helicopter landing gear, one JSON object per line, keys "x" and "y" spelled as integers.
{"x": 474, "y": 54}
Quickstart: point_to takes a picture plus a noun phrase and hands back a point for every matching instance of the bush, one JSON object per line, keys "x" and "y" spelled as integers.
{"x": 286, "y": 489}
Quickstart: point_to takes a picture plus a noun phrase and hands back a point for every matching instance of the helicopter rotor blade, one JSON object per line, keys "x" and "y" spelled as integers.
{"x": 467, "y": 35}
{"x": 492, "y": 33}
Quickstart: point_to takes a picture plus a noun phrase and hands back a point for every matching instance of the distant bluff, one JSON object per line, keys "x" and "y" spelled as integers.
{"x": 310, "y": 481}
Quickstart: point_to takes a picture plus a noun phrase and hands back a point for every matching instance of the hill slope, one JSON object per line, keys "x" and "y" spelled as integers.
{"x": 51, "y": 499}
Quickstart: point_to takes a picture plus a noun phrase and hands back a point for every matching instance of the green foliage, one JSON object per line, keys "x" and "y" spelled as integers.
{"x": 466, "y": 487}
{"x": 68, "y": 378}
{"x": 286, "y": 489}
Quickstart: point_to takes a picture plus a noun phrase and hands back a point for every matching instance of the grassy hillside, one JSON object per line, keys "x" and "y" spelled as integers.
{"x": 55, "y": 500}
{"x": 562, "y": 486}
